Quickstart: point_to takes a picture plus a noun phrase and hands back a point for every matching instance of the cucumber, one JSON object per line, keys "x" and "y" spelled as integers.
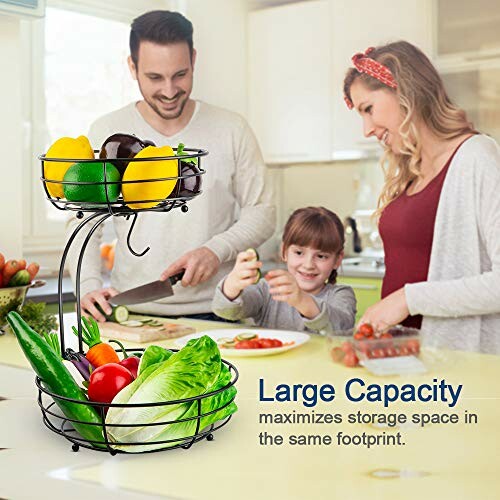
{"x": 257, "y": 257}
{"x": 245, "y": 336}
{"x": 21, "y": 278}
{"x": 119, "y": 314}
{"x": 133, "y": 323}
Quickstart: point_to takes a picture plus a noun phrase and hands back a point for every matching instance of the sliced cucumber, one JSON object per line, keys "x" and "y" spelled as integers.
{"x": 119, "y": 314}
{"x": 228, "y": 345}
{"x": 245, "y": 336}
{"x": 259, "y": 274}
{"x": 255, "y": 253}
{"x": 133, "y": 323}
{"x": 225, "y": 340}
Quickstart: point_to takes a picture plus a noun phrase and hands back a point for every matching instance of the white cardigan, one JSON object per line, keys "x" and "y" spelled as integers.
{"x": 460, "y": 301}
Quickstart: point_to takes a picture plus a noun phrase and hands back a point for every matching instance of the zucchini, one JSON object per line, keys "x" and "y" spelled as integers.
{"x": 21, "y": 278}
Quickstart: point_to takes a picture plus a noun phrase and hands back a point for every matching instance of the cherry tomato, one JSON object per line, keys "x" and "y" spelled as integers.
{"x": 366, "y": 330}
{"x": 390, "y": 352}
{"x": 359, "y": 336}
{"x": 347, "y": 346}
{"x": 350, "y": 359}
{"x": 413, "y": 346}
{"x": 378, "y": 353}
{"x": 107, "y": 381}
{"x": 337, "y": 354}
{"x": 404, "y": 351}
{"x": 276, "y": 343}
{"x": 386, "y": 335}
{"x": 244, "y": 344}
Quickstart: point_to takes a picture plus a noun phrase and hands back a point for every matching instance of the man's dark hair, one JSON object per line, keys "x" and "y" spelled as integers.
{"x": 162, "y": 27}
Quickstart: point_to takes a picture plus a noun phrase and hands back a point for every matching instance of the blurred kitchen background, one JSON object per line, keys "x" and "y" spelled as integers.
{"x": 280, "y": 64}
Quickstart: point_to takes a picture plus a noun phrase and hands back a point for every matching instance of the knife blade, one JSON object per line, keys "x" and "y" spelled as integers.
{"x": 147, "y": 293}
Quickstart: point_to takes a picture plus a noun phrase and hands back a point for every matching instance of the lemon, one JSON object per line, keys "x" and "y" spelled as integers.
{"x": 143, "y": 170}
{"x": 65, "y": 147}
{"x": 91, "y": 172}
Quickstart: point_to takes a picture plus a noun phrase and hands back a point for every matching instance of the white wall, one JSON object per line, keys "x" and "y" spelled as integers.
{"x": 11, "y": 136}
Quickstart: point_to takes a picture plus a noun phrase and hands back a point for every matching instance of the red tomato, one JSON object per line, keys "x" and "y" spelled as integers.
{"x": 347, "y": 346}
{"x": 404, "y": 351}
{"x": 359, "y": 336}
{"x": 378, "y": 353}
{"x": 413, "y": 346}
{"x": 337, "y": 354}
{"x": 350, "y": 359}
{"x": 245, "y": 344}
{"x": 277, "y": 343}
{"x": 386, "y": 335}
{"x": 266, "y": 343}
{"x": 107, "y": 381}
{"x": 255, "y": 343}
{"x": 366, "y": 330}
{"x": 390, "y": 352}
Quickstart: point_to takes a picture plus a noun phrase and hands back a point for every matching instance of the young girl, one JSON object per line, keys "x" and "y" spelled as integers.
{"x": 303, "y": 297}
{"x": 439, "y": 207}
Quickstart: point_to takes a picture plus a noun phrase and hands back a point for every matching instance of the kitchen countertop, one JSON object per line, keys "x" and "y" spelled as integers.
{"x": 455, "y": 461}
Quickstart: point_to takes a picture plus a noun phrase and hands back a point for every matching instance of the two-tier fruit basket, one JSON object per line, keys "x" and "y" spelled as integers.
{"x": 185, "y": 186}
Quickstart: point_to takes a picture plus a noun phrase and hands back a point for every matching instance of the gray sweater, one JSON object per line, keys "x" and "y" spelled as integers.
{"x": 337, "y": 305}
{"x": 461, "y": 299}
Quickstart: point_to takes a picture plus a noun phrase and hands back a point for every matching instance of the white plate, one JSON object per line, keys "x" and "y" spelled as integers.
{"x": 298, "y": 338}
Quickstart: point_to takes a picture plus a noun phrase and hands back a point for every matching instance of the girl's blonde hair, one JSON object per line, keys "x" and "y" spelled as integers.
{"x": 315, "y": 227}
{"x": 422, "y": 98}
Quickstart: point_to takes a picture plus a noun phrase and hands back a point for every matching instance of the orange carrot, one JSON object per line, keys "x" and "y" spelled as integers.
{"x": 99, "y": 353}
{"x": 1, "y": 280}
{"x": 22, "y": 264}
{"x": 33, "y": 270}
{"x": 102, "y": 354}
{"x": 9, "y": 269}
{"x": 2, "y": 261}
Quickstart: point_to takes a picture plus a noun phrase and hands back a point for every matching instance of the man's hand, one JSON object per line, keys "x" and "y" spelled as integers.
{"x": 244, "y": 274}
{"x": 388, "y": 312}
{"x": 199, "y": 265}
{"x": 284, "y": 288}
{"x": 89, "y": 300}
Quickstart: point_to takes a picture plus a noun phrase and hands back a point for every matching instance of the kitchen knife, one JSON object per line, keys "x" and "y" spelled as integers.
{"x": 148, "y": 292}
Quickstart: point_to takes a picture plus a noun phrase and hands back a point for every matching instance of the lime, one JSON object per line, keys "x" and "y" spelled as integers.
{"x": 80, "y": 173}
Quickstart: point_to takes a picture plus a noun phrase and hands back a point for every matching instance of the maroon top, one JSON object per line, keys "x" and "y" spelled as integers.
{"x": 407, "y": 227}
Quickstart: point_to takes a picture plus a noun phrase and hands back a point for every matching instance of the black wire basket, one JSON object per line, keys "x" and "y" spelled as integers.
{"x": 100, "y": 211}
{"x": 187, "y": 173}
{"x": 58, "y": 423}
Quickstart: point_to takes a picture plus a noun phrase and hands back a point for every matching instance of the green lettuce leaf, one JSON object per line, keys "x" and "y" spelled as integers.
{"x": 194, "y": 370}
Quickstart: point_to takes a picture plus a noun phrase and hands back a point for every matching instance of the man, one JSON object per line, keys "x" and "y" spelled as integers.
{"x": 233, "y": 213}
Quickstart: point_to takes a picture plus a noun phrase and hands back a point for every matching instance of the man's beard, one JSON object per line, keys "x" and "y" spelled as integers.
{"x": 171, "y": 115}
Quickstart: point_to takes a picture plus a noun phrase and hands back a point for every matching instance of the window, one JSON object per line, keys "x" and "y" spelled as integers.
{"x": 77, "y": 65}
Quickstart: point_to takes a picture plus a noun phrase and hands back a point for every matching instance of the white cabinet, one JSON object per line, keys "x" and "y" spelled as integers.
{"x": 298, "y": 56}
{"x": 468, "y": 58}
{"x": 290, "y": 81}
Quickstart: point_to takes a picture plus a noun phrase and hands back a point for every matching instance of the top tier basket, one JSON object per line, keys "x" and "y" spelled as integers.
{"x": 176, "y": 199}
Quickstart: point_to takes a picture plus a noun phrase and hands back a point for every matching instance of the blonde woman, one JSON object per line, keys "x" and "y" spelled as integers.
{"x": 439, "y": 210}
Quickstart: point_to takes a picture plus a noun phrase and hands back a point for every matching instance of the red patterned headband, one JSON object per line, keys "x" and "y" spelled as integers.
{"x": 373, "y": 68}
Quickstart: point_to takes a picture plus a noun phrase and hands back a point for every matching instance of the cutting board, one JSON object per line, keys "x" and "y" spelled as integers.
{"x": 141, "y": 334}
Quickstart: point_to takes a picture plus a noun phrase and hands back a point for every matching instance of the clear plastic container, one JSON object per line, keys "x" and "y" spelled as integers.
{"x": 348, "y": 347}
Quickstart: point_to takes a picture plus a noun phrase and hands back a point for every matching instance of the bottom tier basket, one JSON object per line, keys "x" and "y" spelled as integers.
{"x": 54, "y": 419}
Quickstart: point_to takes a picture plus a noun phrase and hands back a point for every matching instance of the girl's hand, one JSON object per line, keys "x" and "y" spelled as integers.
{"x": 388, "y": 312}
{"x": 244, "y": 274}
{"x": 283, "y": 287}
